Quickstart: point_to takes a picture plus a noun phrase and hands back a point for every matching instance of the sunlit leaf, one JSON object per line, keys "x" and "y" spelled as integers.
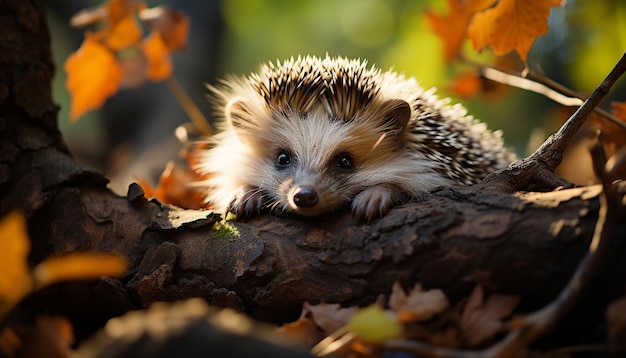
{"x": 452, "y": 27}
{"x": 158, "y": 56}
{"x": 93, "y": 75}
{"x": 15, "y": 280}
{"x": 124, "y": 33}
{"x": 374, "y": 325}
{"x": 77, "y": 266}
{"x": 511, "y": 25}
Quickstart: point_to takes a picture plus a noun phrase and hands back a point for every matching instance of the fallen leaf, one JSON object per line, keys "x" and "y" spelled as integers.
{"x": 373, "y": 324}
{"x": 79, "y": 266}
{"x": 418, "y": 305}
{"x": 511, "y": 25}
{"x": 93, "y": 75}
{"x": 15, "y": 280}
{"x": 482, "y": 319}
{"x": 328, "y": 317}
{"x": 303, "y": 330}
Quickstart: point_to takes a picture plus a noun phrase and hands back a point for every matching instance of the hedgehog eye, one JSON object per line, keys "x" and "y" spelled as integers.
{"x": 344, "y": 161}
{"x": 283, "y": 159}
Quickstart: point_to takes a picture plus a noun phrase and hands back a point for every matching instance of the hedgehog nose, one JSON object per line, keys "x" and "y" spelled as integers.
{"x": 305, "y": 197}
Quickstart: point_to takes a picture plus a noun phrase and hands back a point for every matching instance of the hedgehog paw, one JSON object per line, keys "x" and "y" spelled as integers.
{"x": 247, "y": 204}
{"x": 372, "y": 203}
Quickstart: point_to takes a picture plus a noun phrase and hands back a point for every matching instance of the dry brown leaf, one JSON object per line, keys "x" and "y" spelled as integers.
{"x": 171, "y": 24}
{"x": 303, "y": 330}
{"x": 482, "y": 319}
{"x": 418, "y": 305}
{"x": 328, "y": 317}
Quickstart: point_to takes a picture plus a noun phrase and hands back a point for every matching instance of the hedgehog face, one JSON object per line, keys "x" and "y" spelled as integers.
{"x": 310, "y": 163}
{"x": 314, "y": 163}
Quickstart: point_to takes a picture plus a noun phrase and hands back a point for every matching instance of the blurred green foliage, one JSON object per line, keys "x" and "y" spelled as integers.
{"x": 585, "y": 40}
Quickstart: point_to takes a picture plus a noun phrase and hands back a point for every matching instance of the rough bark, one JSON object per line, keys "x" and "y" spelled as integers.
{"x": 527, "y": 244}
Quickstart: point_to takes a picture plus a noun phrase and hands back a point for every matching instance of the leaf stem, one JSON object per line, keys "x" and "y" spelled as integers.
{"x": 190, "y": 108}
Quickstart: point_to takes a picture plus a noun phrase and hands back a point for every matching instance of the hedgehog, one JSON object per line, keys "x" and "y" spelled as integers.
{"x": 311, "y": 135}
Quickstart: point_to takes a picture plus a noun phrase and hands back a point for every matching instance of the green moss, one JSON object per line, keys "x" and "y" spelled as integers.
{"x": 224, "y": 229}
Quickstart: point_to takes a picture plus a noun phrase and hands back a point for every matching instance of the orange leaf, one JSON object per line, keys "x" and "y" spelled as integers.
{"x": 467, "y": 84}
{"x": 619, "y": 110}
{"x": 15, "y": 280}
{"x": 511, "y": 25}
{"x": 118, "y": 9}
{"x": 173, "y": 188}
{"x": 451, "y": 28}
{"x": 76, "y": 266}
{"x": 93, "y": 75}
{"x": 124, "y": 33}
{"x": 171, "y": 24}
{"x": 158, "y": 56}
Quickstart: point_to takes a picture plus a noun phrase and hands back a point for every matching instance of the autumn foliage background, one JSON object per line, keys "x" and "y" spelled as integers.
{"x": 232, "y": 37}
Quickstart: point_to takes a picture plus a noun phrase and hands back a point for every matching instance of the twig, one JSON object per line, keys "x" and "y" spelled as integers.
{"x": 551, "y": 151}
{"x": 523, "y": 83}
{"x": 194, "y": 113}
{"x": 534, "y": 82}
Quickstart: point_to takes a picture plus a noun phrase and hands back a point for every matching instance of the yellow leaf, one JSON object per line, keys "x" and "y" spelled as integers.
{"x": 158, "y": 56}
{"x": 511, "y": 25}
{"x": 76, "y": 266}
{"x": 374, "y": 325}
{"x": 93, "y": 75}
{"x": 15, "y": 280}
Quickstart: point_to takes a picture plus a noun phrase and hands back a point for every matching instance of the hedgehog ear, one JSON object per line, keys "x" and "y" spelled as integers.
{"x": 237, "y": 114}
{"x": 397, "y": 113}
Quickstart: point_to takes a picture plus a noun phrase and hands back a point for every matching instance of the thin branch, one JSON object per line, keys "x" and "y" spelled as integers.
{"x": 523, "y": 83}
{"x": 190, "y": 108}
{"x": 543, "y": 85}
{"x": 551, "y": 151}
